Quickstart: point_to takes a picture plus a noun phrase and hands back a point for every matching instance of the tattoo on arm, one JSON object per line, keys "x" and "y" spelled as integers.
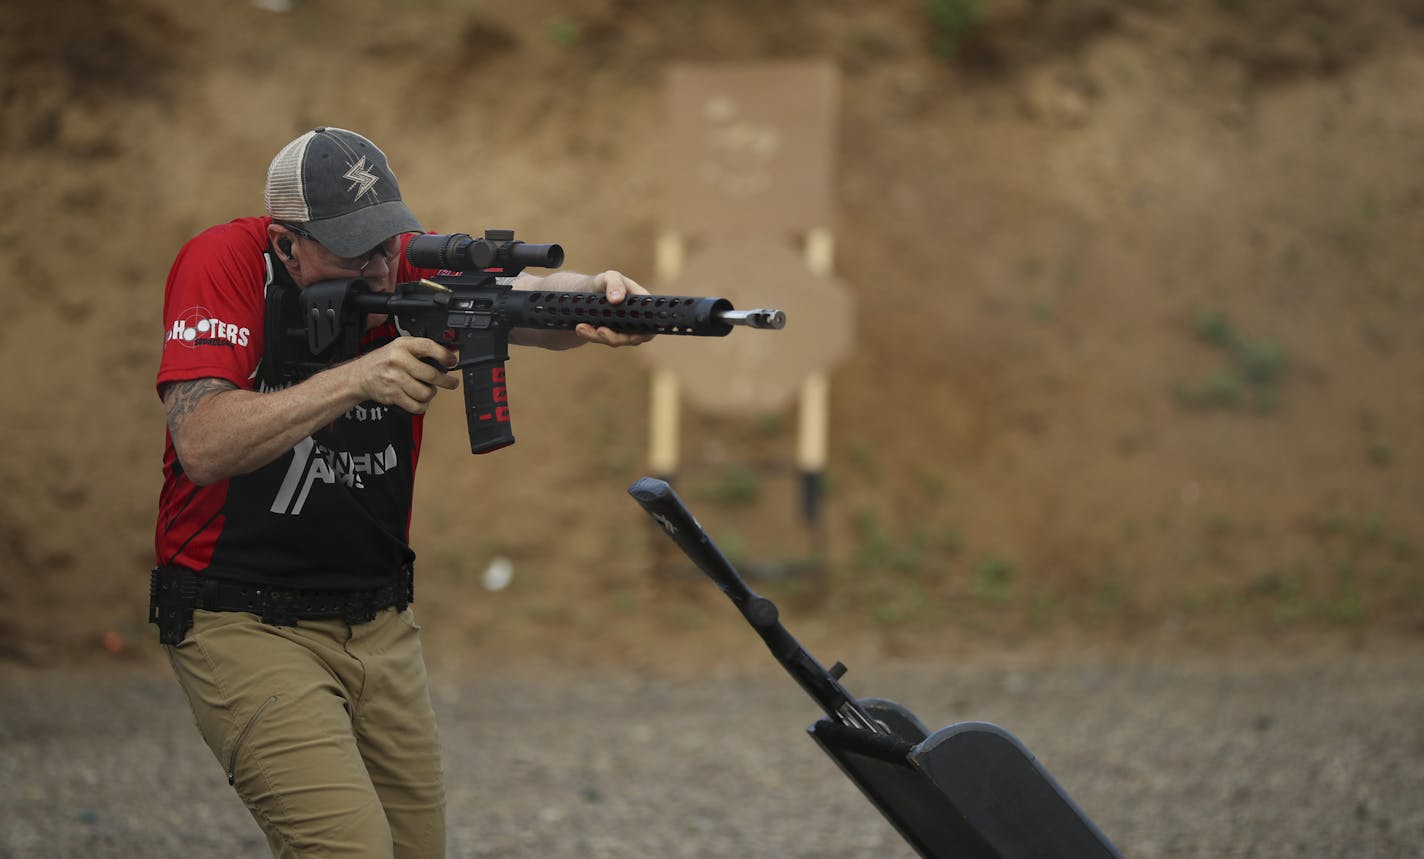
{"x": 181, "y": 398}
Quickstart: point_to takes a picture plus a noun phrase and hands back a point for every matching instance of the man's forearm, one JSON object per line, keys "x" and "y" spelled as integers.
{"x": 220, "y": 431}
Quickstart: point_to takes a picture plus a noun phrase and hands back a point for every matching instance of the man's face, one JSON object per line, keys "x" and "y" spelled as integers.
{"x": 316, "y": 263}
{"x": 377, "y": 266}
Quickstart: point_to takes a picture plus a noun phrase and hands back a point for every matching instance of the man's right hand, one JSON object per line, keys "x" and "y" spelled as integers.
{"x": 396, "y": 375}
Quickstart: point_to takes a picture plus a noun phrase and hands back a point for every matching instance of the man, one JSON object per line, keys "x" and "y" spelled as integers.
{"x": 284, "y": 572}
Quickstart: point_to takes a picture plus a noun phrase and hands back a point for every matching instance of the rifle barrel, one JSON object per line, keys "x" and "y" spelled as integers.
{"x": 762, "y": 317}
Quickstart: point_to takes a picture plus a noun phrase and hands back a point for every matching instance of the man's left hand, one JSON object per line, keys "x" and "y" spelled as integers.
{"x": 616, "y": 286}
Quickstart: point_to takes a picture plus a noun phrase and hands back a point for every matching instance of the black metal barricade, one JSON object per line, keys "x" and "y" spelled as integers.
{"x": 967, "y": 791}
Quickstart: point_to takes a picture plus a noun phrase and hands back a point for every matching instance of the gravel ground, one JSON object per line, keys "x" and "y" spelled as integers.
{"x": 1297, "y": 757}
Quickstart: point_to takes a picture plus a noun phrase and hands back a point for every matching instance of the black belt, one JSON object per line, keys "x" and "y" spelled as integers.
{"x": 175, "y": 592}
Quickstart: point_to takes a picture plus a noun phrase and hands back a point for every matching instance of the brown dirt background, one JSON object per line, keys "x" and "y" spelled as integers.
{"x": 1037, "y": 442}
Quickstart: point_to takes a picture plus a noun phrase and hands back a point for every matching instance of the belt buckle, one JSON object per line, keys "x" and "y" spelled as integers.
{"x": 278, "y": 607}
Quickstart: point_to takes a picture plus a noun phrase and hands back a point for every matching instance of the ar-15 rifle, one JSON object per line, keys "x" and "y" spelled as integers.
{"x": 471, "y": 306}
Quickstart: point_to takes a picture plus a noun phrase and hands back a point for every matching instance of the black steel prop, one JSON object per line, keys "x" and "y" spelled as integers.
{"x": 969, "y": 790}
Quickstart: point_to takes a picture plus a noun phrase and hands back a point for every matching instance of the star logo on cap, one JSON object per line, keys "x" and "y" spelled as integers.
{"x": 362, "y": 179}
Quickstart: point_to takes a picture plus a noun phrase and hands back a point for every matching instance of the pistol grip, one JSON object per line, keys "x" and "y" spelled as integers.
{"x": 487, "y": 406}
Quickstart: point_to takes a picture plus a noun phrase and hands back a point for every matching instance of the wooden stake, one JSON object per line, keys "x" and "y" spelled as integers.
{"x": 663, "y": 415}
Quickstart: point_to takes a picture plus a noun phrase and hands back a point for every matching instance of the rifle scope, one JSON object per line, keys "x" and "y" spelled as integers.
{"x": 496, "y": 250}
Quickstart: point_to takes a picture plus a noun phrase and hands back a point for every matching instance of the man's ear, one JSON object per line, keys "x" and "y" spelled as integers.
{"x": 281, "y": 241}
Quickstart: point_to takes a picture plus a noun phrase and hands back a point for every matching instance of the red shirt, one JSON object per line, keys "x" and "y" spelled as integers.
{"x": 333, "y": 512}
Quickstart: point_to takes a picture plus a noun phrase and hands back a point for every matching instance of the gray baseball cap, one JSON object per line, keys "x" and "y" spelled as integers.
{"x": 337, "y": 185}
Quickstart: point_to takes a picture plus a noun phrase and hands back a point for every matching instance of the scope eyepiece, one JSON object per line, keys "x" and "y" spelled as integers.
{"x": 497, "y": 250}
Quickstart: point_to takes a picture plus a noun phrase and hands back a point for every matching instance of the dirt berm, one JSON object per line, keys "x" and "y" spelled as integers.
{"x": 1138, "y": 351}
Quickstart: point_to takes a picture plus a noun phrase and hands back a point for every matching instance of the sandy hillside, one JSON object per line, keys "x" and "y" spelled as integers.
{"x": 1139, "y": 346}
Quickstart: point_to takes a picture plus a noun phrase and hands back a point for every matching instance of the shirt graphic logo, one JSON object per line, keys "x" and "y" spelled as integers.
{"x": 362, "y": 179}
{"x": 313, "y": 463}
{"x": 197, "y": 326}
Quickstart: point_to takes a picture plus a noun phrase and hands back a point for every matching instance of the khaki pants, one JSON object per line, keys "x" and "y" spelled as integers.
{"x": 325, "y": 729}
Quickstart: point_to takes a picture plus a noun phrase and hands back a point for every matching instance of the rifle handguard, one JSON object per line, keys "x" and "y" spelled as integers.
{"x": 637, "y": 314}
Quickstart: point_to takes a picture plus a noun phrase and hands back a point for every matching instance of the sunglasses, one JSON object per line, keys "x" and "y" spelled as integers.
{"x": 357, "y": 264}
